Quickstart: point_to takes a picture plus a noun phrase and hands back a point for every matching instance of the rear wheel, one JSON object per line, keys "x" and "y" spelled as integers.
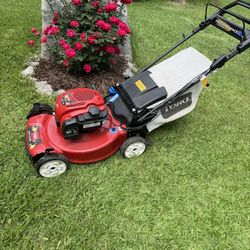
{"x": 39, "y": 108}
{"x": 133, "y": 147}
{"x": 51, "y": 165}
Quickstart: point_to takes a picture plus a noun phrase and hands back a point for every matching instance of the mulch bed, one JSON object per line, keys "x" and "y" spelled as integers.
{"x": 59, "y": 78}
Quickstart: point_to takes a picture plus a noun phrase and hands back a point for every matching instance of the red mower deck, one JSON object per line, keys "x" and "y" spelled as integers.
{"x": 42, "y": 134}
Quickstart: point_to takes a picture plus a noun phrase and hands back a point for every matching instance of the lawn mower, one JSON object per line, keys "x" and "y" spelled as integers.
{"x": 84, "y": 127}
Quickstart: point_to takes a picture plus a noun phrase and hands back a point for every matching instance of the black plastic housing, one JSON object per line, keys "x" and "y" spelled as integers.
{"x": 84, "y": 123}
{"x": 134, "y": 97}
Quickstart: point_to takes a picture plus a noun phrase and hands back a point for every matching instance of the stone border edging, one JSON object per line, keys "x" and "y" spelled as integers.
{"x": 43, "y": 87}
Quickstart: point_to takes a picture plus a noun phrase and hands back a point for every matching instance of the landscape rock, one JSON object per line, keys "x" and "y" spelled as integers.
{"x": 41, "y": 83}
{"x": 36, "y": 58}
{"x": 33, "y": 79}
{"x": 34, "y": 64}
{"x": 128, "y": 73}
{"x": 132, "y": 67}
{"x": 59, "y": 92}
{"x": 28, "y": 71}
{"x": 44, "y": 88}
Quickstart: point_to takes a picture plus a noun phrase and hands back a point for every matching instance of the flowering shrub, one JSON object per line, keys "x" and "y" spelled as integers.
{"x": 85, "y": 35}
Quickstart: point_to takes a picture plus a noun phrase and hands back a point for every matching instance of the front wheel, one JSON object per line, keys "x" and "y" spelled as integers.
{"x": 51, "y": 165}
{"x": 133, "y": 146}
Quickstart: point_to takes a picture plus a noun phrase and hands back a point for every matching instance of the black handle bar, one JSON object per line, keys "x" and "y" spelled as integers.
{"x": 219, "y": 21}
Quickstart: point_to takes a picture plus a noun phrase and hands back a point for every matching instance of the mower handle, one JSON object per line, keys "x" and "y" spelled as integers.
{"x": 219, "y": 21}
{"x": 242, "y": 3}
{"x": 244, "y": 46}
{"x": 225, "y": 10}
{"x": 238, "y": 32}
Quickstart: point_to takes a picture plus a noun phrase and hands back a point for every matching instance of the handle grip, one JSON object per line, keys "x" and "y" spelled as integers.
{"x": 244, "y": 46}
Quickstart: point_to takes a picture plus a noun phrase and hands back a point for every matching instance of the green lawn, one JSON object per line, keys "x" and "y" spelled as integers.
{"x": 190, "y": 190}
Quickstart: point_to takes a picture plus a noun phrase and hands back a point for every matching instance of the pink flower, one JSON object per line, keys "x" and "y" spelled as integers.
{"x": 31, "y": 43}
{"x": 47, "y": 29}
{"x": 37, "y": 33}
{"x": 107, "y": 27}
{"x": 33, "y": 30}
{"x": 125, "y": 27}
{"x": 62, "y": 42}
{"x": 103, "y": 25}
{"x": 114, "y": 19}
{"x": 76, "y": 2}
{"x": 66, "y": 46}
{"x": 126, "y": 1}
{"x": 117, "y": 51}
{"x": 56, "y": 15}
{"x": 95, "y": 4}
{"x": 66, "y": 62}
{"x": 110, "y": 7}
{"x": 74, "y": 24}
{"x": 71, "y": 33}
{"x": 44, "y": 39}
{"x": 78, "y": 46}
{"x": 70, "y": 53}
{"x": 110, "y": 49}
{"x": 92, "y": 39}
{"x": 99, "y": 10}
{"x": 87, "y": 68}
{"x": 121, "y": 32}
{"x": 83, "y": 37}
{"x": 100, "y": 23}
{"x": 53, "y": 30}
{"x": 55, "y": 21}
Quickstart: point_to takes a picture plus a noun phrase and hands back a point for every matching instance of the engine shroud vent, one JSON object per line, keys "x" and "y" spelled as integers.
{"x": 83, "y": 96}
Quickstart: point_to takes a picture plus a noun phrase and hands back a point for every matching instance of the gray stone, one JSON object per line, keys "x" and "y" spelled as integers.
{"x": 34, "y": 64}
{"x": 126, "y": 50}
{"x": 132, "y": 67}
{"x": 33, "y": 79}
{"x": 44, "y": 88}
{"x": 59, "y": 92}
{"x": 46, "y": 18}
{"x": 41, "y": 83}
{"x": 36, "y": 59}
{"x": 128, "y": 73}
{"x": 28, "y": 71}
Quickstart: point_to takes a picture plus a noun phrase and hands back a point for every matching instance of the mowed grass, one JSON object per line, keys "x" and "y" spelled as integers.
{"x": 190, "y": 190}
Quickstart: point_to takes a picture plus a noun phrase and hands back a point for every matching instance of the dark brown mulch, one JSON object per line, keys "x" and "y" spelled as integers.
{"x": 59, "y": 78}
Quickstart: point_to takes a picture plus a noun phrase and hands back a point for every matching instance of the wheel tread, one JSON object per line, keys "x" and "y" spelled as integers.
{"x": 50, "y": 157}
{"x": 130, "y": 141}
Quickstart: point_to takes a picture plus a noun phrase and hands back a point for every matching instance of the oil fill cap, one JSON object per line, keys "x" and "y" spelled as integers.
{"x": 94, "y": 111}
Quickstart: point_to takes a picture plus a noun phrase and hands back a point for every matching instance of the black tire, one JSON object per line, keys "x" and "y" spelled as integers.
{"x": 39, "y": 108}
{"x": 45, "y": 168}
{"x": 133, "y": 146}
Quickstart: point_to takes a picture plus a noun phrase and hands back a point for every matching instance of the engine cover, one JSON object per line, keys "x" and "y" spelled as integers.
{"x": 79, "y": 110}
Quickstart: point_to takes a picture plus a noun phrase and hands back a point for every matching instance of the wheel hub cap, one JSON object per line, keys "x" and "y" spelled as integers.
{"x": 135, "y": 149}
{"x": 52, "y": 168}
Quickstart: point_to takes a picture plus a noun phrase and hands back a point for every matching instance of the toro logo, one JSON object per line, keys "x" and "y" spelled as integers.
{"x": 34, "y": 136}
{"x": 180, "y": 103}
{"x": 66, "y": 99}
